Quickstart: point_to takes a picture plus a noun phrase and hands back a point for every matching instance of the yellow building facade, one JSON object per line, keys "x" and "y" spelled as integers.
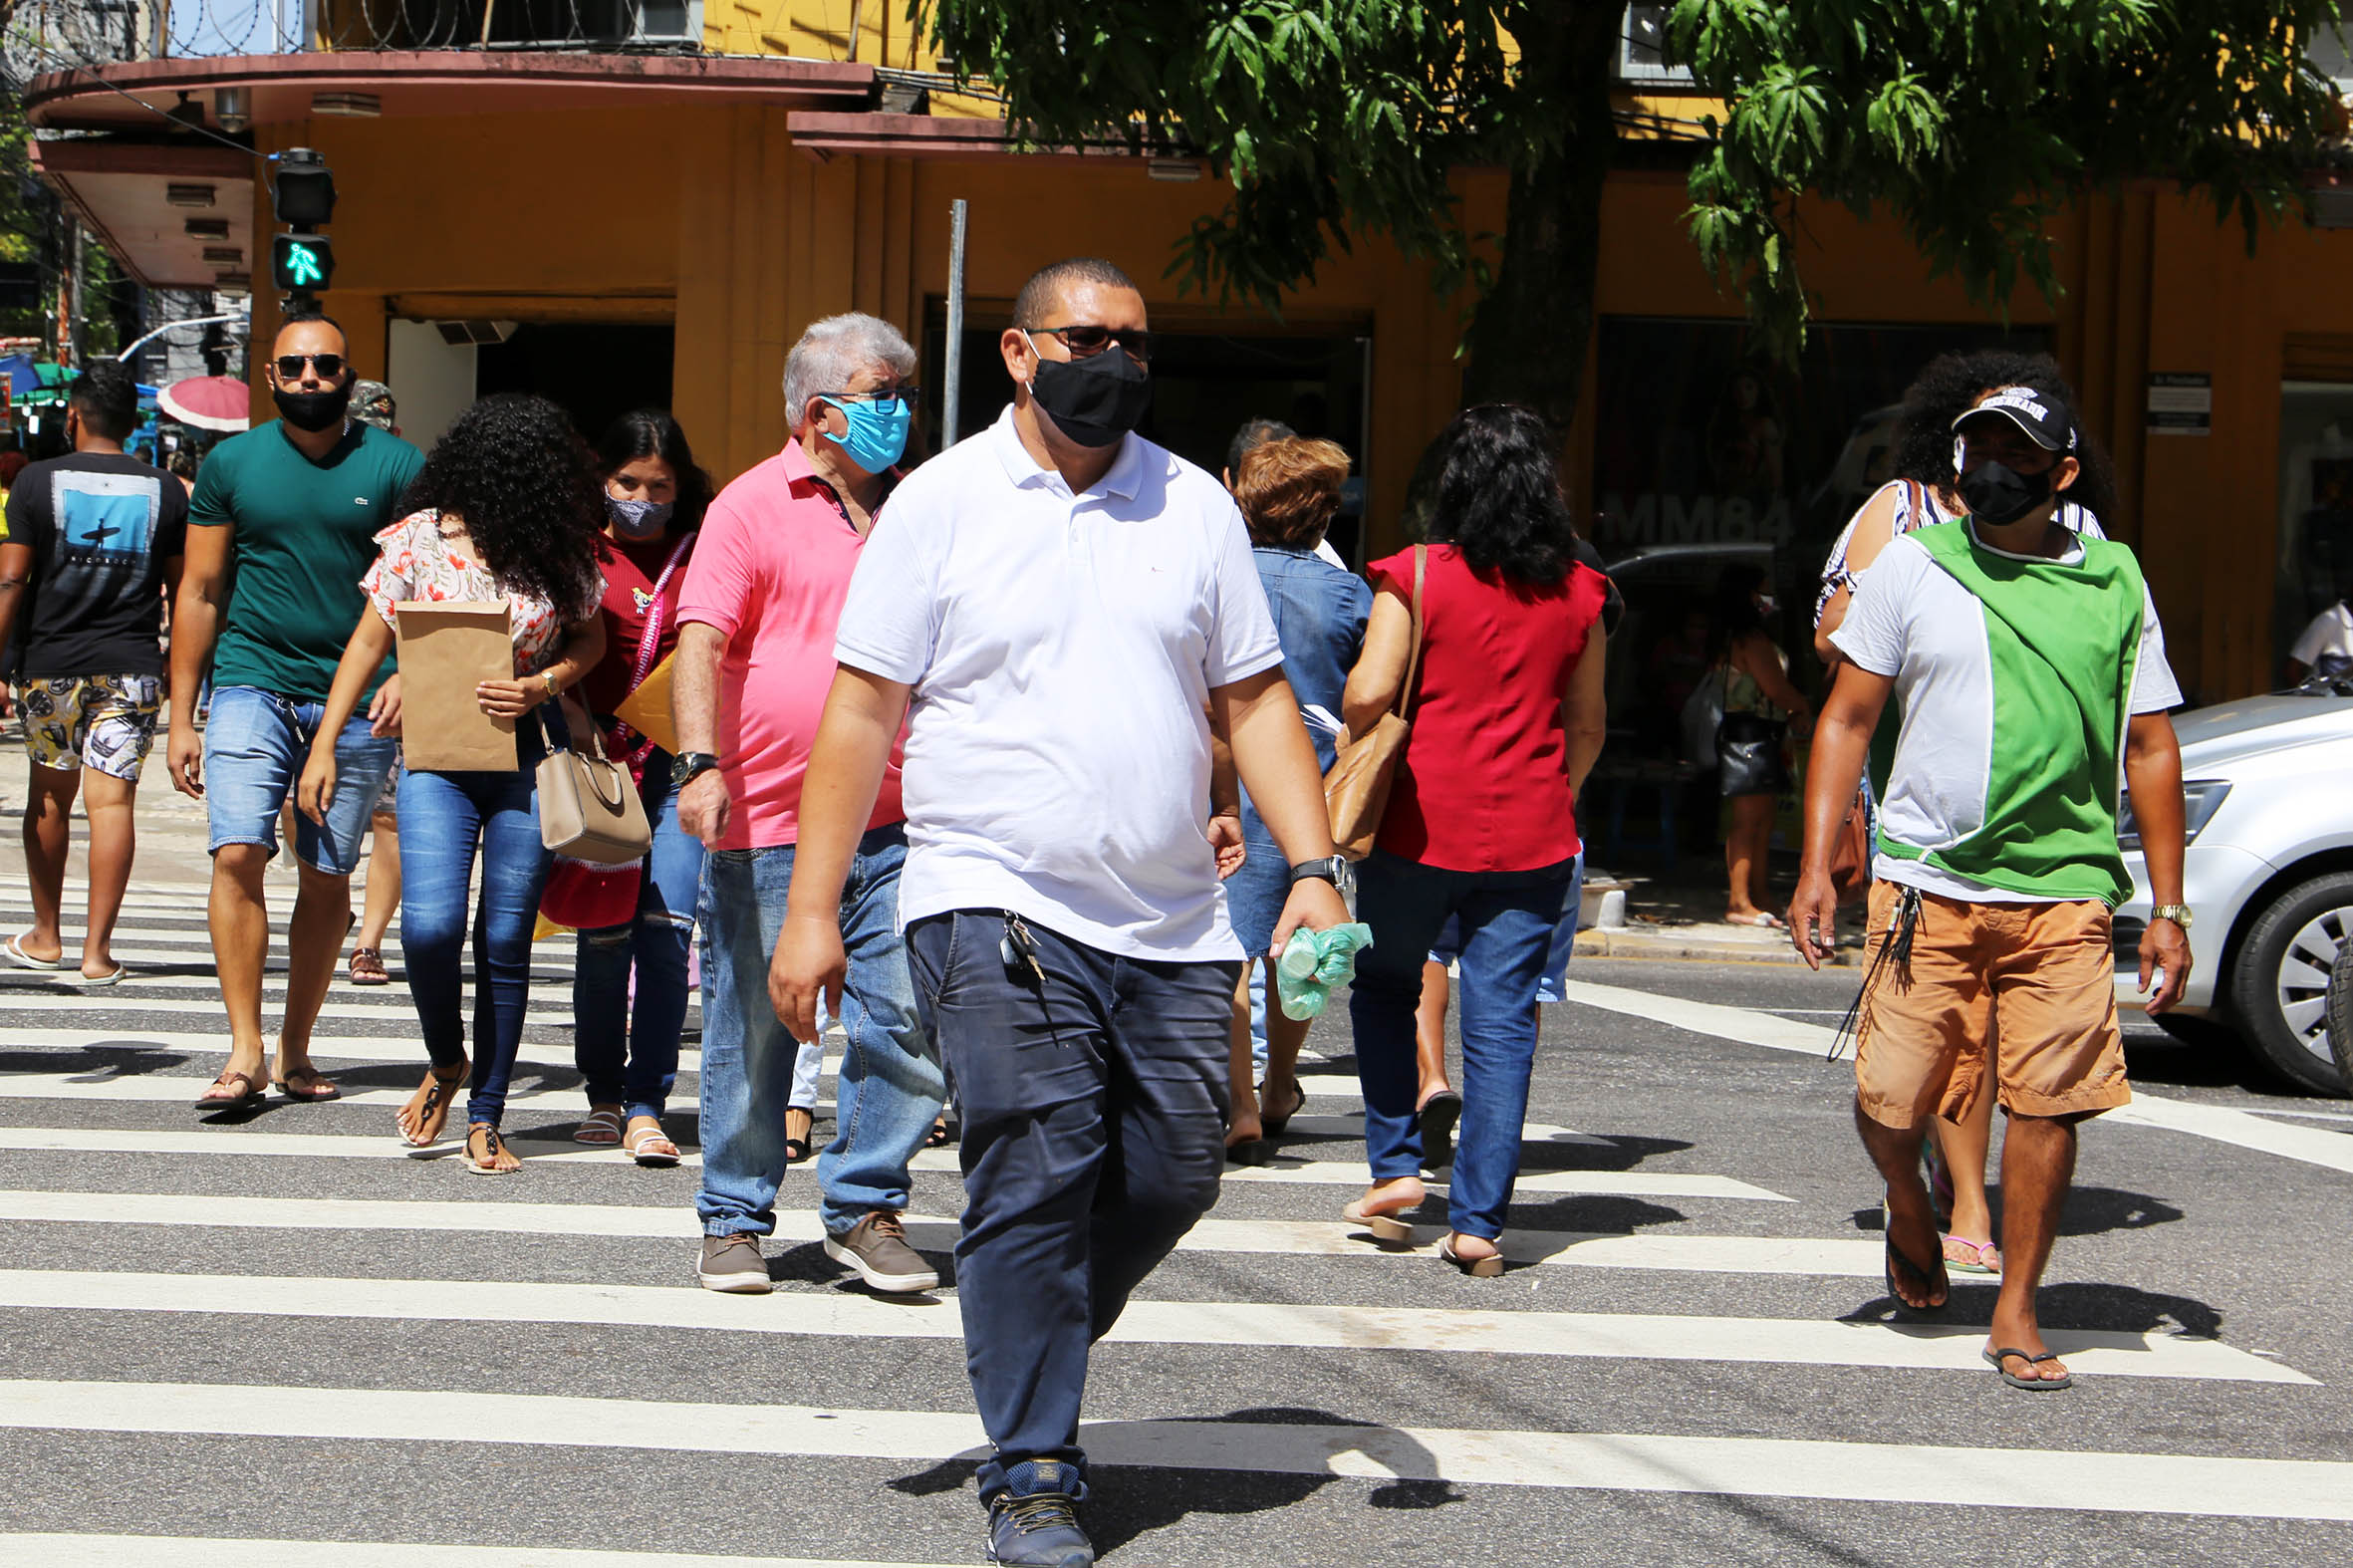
{"x": 716, "y": 206}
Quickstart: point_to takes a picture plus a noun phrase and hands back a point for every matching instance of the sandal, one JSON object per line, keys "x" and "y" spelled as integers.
{"x": 797, "y": 1147}
{"x": 432, "y": 1106}
{"x": 1964, "y": 1256}
{"x": 1488, "y": 1267}
{"x": 940, "y": 1136}
{"x": 1437, "y": 1117}
{"x": 493, "y": 1148}
{"x": 1928, "y": 1280}
{"x": 649, "y": 1147}
{"x": 14, "y": 948}
{"x": 314, "y": 1086}
{"x": 1995, "y": 1357}
{"x": 254, "y": 1088}
{"x": 1386, "y": 1227}
{"x": 601, "y": 1126}
{"x": 1274, "y": 1125}
{"x": 368, "y": 967}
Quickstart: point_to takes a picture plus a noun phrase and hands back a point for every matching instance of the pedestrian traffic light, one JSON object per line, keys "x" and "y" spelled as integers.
{"x": 300, "y": 263}
{"x": 302, "y": 194}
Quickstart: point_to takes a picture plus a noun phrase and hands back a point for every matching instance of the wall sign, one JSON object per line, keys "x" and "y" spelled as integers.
{"x": 2181, "y": 402}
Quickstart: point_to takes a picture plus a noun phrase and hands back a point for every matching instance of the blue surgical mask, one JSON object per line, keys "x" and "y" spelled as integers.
{"x": 638, "y": 519}
{"x": 878, "y": 431}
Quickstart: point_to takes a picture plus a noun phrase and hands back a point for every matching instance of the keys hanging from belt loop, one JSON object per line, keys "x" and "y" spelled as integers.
{"x": 1903, "y": 921}
{"x": 1019, "y": 951}
{"x": 1907, "y": 921}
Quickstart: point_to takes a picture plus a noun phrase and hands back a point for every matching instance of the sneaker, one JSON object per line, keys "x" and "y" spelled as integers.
{"x": 1034, "y": 1522}
{"x": 877, "y": 1247}
{"x": 732, "y": 1262}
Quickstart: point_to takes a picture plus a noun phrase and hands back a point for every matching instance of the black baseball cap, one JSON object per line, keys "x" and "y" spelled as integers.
{"x": 2047, "y": 420}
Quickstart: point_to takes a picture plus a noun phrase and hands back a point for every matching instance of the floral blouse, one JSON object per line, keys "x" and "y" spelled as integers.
{"x": 415, "y": 560}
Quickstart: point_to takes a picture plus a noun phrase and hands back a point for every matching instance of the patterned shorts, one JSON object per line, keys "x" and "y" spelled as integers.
{"x": 105, "y": 721}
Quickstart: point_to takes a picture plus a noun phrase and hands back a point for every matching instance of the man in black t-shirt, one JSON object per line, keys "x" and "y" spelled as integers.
{"x": 94, "y": 540}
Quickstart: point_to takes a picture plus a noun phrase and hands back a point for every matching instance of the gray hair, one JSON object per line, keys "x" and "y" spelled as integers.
{"x": 834, "y": 351}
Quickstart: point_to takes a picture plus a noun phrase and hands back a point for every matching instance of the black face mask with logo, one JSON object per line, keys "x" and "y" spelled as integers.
{"x": 1095, "y": 400}
{"x": 1999, "y": 495}
{"x": 313, "y": 410}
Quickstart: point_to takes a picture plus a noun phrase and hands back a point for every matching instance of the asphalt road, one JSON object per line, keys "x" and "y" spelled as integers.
{"x": 277, "y": 1327}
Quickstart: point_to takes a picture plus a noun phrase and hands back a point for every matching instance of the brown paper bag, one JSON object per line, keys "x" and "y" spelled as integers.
{"x": 447, "y": 649}
{"x": 648, "y": 709}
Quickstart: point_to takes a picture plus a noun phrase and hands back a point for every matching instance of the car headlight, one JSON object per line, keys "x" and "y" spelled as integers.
{"x": 2200, "y": 798}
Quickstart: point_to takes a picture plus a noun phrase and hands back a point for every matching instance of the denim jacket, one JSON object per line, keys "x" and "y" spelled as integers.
{"x": 1319, "y": 618}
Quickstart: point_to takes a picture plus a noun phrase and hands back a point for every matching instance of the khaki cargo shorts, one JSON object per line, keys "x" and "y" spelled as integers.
{"x": 2034, "y": 986}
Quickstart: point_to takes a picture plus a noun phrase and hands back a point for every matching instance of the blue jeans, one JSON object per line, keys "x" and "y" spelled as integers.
{"x": 1555, "y": 985}
{"x": 1094, "y": 1135}
{"x": 443, "y": 817}
{"x": 255, "y": 745}
{"x": 606, "y": 1028}
{"x": 889, "y": 1088}
{"x": 1507, "y": 920}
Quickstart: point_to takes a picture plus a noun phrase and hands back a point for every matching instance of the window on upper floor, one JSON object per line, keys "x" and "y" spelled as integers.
{"x": 1642, "y": 50}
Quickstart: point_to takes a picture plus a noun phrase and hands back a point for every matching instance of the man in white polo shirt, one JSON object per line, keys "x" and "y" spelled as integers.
{"x": 1061, "y": 601}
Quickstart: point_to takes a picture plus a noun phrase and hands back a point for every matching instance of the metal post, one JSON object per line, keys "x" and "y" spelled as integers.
{"x": 952, "y": 392}
{"x": 76, "y": 330}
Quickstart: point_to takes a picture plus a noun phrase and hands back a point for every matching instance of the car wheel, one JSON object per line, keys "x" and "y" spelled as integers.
{"x": 2280, "y": 987}
{"x": 2340, "y": 1015}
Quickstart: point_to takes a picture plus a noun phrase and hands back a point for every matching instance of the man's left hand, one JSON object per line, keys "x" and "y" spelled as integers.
{"x": 2165, "y": 948}
{"x": 1225, "y": 839}
{"x": 1314, "y": 903}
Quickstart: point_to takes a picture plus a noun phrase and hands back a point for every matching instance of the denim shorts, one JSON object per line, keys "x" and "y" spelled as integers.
{"x": 255, "y": 745}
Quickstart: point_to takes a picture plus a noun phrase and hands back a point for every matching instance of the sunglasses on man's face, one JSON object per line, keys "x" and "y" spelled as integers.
{"x": 290, "y": 366}
{"x": 1085, "y": 342}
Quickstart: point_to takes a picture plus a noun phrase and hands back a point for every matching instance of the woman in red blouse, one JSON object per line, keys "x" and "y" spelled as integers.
{"x": 1507, "y": 717}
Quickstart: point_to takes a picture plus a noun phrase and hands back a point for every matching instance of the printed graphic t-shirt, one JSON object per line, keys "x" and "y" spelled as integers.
{"x": 305, "y": 536}
{"x": 102, "y": 528}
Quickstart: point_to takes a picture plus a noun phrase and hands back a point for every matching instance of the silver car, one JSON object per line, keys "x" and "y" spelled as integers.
{"x": 2269, "y": 878}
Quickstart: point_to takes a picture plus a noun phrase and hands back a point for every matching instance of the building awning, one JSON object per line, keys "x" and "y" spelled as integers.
{"x": 176, "y": 215}
{"x": 133, "y": 96}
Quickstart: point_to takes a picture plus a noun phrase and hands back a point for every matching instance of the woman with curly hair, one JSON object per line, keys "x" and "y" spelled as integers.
{"x": 1924, "y": 490}
{"x": 1504, "y": 694}
{"x": 507, "y": 508}
{"x": 626, "y": 1047}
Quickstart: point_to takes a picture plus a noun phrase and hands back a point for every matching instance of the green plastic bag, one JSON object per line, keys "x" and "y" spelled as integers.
{"x": 1315, "y": 962}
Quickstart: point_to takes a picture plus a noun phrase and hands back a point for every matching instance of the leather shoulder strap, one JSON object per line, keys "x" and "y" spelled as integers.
{"x": 1405, "y": 696}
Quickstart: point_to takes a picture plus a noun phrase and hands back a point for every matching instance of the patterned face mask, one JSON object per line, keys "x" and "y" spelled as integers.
{"x": 638, "y": 519}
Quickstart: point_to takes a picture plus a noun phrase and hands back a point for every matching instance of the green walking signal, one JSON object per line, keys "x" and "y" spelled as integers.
{"x": 302, "y": 194}
{"x": 300, "y": 262}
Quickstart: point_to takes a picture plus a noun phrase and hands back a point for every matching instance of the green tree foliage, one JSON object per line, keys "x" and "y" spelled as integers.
{"x": 1972, "y": 121}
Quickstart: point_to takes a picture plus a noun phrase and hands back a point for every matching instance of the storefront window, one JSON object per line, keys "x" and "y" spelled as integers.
{"x": 2315, "y": 507}
{"x": 1707, "y": 458}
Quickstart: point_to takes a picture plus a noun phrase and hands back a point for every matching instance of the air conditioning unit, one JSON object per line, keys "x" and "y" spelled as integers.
{"x": 457, "y": 333}
{"x": 1642, "y": 49}
{"x": 665, "y": 21}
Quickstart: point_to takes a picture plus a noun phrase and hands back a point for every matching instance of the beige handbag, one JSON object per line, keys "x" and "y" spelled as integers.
{"x": 589, "y": 808}
{"x": 1355, "y": 791}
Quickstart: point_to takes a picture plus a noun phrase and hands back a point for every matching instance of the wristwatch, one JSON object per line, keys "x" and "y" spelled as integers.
{"x": 2179, "y": 913}
{"x": 686, "y": 764}
{"x": 1328, "y": 868}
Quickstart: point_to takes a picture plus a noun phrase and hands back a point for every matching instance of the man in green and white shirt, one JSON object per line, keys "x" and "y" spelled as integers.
{"x": 2031, "y": 672}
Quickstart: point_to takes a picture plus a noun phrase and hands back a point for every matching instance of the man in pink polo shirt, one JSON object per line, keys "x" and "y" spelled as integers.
{"x": 755, "y": 659}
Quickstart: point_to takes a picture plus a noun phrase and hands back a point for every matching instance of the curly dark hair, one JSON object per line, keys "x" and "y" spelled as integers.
{"x": 652, "y": 433}
{"x": 1498, "y": 497}
{"x": 1943, "y": 391}
{"x": 525, "y": 485}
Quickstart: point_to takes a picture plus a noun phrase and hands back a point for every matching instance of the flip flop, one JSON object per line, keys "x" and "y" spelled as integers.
{"x": 1994, "y": 1358}
{"x": 1249, "y": 1151}
{"x": 1386, "y": 1229}
{"x": 317, "y": 1090}
{"x": 1489, "y": 1267}
{"x": 492, "y": 1146}
{"x": 1437, "y": 1116}
{"x": 1964, "y": 1256}
{"x": 91, "y": 982}
{"x": 255, "y": 1088}
{"x": 1894, "y": 1256}
{"x": 14, "y": 949}
{"x": 1274, "y": 1125}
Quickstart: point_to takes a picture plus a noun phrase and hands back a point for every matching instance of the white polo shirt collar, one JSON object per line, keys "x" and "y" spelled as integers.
{"x": 1123, "y": 479}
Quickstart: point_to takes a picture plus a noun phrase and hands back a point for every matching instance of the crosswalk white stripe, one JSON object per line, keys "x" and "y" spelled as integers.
{"x": 2220, "y": 1124}
{"x": 1619, "y": 1462}
{"x": 1319, "y": 1173}
{"x": 546, "y": 1005}
{"x": 1833, "y": 1256}
{"x": 196, "y": 1551}
{"x": 854, "y": 1315}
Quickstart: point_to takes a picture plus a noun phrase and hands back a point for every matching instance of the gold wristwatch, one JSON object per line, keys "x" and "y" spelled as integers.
{"x": 2179, "y": 913}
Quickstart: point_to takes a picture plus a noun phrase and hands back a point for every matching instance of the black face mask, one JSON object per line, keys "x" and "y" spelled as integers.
{"x": 313, "y": 410}
{"x": 1096, "y": 401}
{"x": 1997, "y": 495}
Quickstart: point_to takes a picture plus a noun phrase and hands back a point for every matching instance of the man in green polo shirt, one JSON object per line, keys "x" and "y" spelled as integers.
{"x": 281, "y": 528}
{"x": 2032, "y": 675}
